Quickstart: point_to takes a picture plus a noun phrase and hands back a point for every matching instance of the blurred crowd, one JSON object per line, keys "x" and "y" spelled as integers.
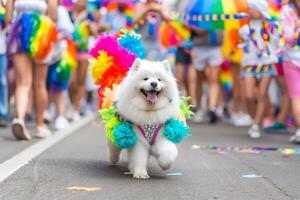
{"x": 248, "y": 77}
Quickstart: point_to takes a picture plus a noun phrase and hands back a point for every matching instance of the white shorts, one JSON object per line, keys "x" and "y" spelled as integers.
{"x": 207, "y": 56}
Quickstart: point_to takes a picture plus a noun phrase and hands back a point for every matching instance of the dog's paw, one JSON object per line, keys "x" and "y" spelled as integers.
{"x": 140, "y": 173}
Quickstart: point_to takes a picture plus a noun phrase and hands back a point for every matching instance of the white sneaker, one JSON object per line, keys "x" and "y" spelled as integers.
{"x": 241, "y": 120}
{"x": 19, "y": 130}
{"x": 253, "y": 132}
{"x": 199, "y": 116}
{"x": 61, "y": 123}
{"x": 76, "y": 116}
{"x": 48, "y": 117}
{"x": 42, "y": 132}
{"x": 296, "y": 138}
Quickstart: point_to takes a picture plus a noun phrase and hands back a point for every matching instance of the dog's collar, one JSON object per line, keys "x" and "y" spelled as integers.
{"x": 150, "y": 132}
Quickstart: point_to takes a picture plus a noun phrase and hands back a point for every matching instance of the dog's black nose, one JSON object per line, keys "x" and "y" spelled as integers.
{"x": 153, "y": 84}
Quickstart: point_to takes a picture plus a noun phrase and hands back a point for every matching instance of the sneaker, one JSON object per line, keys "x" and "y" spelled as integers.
{"x": 61, "y": 123}
{"x": 277, "y": 127}
{"x": 241, "y": 120}
{"x": 267, "y": 122}
{"x": 213, "y": 118}
{"x": 48, "y": 117}
{"x": 76, "y": 116}
{"x": 199, "y": 116}
{"x": 253, "y": 132}
{"x": 19, "y": 130}
{"x": 42, "y": 132}
{"x": 296, "y": 138}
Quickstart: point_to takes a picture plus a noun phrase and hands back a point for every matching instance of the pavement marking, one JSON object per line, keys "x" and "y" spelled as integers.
{"x": 10, "y": 166}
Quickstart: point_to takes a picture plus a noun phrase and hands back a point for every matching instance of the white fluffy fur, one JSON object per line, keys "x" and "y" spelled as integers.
{"x": 132, "y": 104}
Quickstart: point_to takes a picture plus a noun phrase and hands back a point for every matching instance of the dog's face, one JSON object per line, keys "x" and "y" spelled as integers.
{"x": 148, "y": 87}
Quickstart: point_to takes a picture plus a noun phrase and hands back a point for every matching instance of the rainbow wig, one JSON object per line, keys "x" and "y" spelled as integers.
{"x": 113, "y": 56}
{"x": 37, "y": 34}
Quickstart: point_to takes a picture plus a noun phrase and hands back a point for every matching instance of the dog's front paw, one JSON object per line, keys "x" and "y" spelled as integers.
{"x": 140, "y": 173}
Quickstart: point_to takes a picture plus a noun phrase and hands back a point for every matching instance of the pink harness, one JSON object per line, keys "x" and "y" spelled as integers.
{"x": 150, "y": 132}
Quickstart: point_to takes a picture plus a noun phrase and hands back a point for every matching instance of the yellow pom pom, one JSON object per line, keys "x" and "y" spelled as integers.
{"x": 100, "y": 65}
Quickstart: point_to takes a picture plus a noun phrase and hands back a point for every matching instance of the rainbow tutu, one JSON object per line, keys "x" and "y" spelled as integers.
{"x": 34, "y": 34}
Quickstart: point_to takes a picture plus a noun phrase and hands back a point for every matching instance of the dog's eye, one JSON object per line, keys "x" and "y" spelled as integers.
{"x": 159, "y": 79}
{"x": 145, "y": 79}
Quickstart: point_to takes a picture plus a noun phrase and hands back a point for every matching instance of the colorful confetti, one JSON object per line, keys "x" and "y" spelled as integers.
{"x": 174, "y": 174}
{"x": 252, "y": 176}
{"x": 85, "y": 189}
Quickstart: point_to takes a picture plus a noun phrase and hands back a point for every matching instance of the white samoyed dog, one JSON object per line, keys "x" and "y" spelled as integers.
{"x": 148, "y": 96}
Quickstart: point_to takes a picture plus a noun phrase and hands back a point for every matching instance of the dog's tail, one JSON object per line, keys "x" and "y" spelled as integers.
{"x": 112, "y": 57}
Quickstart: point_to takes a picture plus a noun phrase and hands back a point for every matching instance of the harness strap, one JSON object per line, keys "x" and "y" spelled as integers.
{"x": 150, "y": 137}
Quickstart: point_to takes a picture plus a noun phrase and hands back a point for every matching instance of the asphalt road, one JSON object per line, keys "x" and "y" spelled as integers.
{"x": 80, "y": 160}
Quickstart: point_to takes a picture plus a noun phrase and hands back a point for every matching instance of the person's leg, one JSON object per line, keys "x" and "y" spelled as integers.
{"x": 82, "y": 71}
{"x": 60, "y": 103}
{"x": 40, "y": 99}
{"x": 3, "y": 90}
{"x": 296, "y": 110}
{"x": 192, "y": 85}
{"x": 179, "y": 72}
{"x": 249, "y": 88}
{"x": 212, "y": 74}
{"x": 236, "y": 90}
{"x": 23, "y": 70}
{"x": 73, "y": 85}
{"x": 285, "y": 101}
{"x": 263, "y": 88}
{"x": 61, "y": 121}
{"x": 40, "y": 92}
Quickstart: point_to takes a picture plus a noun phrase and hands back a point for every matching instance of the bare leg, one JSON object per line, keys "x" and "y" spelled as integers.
{"x": 212, "y": 74}
{"x": 249, "y": 83}
{"x": 73, "y": 85}
{"x": 40, "y": 92}
{"x": 237, "y": 89}
{"x": 296, "y": 110}
{"x": 285, "y": 101}
{"x": 23, "y": 70}
{"x": 192, "y": 77}
{"x": 60, "y": 103}
{"x": 200, "y": 80}
{"x": 264, "y": 84}
{"x": 82, "y": 71}
{"x": 180, "y": 76}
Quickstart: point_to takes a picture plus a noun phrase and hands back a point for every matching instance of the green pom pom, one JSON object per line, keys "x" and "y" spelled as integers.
{"x": 107, "y": 114}
{"x": 110, "y": 126}
{"x": 185, "y": 108}
{"x": 175, "y": 131}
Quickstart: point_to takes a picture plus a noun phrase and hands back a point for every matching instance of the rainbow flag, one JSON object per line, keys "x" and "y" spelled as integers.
{"x": 216, "y": 14}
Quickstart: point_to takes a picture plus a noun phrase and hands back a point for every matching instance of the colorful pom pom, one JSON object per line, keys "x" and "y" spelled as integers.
{"x": 110, "y": 128}
{"x": 175, "y": 131}
{"x": 132, "y": 42}
{"x": 113, "y": 56}
{"x": 107, "y": 114}
{"x": 124, "y": 136}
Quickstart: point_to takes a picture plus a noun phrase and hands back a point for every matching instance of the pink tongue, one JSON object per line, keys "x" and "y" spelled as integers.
{"x": 152, "y": 97}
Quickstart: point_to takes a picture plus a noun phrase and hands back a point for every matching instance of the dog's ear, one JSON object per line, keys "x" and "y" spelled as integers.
{"x": 166, "y": 65}
{"x": 136, "y": 65}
